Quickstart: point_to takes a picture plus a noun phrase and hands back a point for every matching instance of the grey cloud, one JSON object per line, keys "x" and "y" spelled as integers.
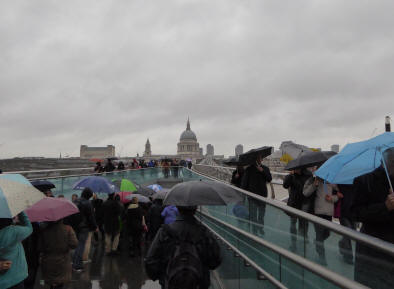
{"x": 252, "y": 72}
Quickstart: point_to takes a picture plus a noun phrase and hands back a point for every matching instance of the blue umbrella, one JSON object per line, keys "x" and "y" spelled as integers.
{"x": 97, "y": 184}
{"x": 155, "y": 187}
{"x": 356, "y": 159}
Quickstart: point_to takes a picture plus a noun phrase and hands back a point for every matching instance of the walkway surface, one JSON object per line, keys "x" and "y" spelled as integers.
{"x": 110, "y": 272}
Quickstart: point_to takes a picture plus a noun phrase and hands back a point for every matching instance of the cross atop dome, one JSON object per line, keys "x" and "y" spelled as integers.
{"x": 188, "y": 124}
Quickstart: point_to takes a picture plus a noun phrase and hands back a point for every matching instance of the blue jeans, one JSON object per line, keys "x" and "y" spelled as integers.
{"x": 77, "y": 258}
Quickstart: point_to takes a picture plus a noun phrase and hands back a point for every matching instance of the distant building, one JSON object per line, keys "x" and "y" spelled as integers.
{"x": 335, "y": 148}
{"x": 201, "y": 151}
{"x": 239, "y": 149}
{"x": 148, "y": 151}
{"x": 97, "y": 152}
{"x": 292, "y": 149}
{"x": 188, "y": 147}
{"x": 210, "y": 150}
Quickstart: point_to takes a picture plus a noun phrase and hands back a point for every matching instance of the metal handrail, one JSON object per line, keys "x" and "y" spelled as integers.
{"x": 317, "y": 269}
{"x": 209, "y": 176}
{"x": 231, "y": 168}
{"x": 49, "y": 170}
{"x": 90, "y": 174}
{"x": 370, "y": 241}
{"x": 260, "y": 270}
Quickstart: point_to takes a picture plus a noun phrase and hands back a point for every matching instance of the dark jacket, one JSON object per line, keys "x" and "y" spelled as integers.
{"x": 112, "y": 211}
{"x": 371, "y": 191}
{"x": 255, "y": 181}
{"x": 55, "y": 244}
{"x": 98, "y": 210}
{"x": 163, "y": 247}
{"x": 154, "y": 219}
{"x": 347, "y": 200}
{"x": 237, "y": 181}
{"x": 295, "y": 184}
{"x": 134, "y": 215}
{"x": 373, "y": 268}
{"x": 88, "y": 221}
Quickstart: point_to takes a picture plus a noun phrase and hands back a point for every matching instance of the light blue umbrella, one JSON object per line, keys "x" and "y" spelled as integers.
{"x": 96, "y": 184}
{"x": 155, "y": 187}
{"x": 356, "y": 159}
{"x": 16, "y": 195}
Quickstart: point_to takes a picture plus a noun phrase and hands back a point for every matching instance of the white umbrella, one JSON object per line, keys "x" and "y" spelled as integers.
{"x": 16, "y": 195}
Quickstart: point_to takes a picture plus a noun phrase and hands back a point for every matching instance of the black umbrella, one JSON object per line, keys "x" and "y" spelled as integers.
{"x": 203, "y": 192}
{"x": 42, "y": 185}
{"x": 231, "y": 162}
{"x": 147, "y": 192}
{"x": 249, "y": 158}
{"x": 308, "y": 159}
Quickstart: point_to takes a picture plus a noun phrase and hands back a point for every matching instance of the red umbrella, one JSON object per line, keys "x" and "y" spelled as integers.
{"x": 123, "y": 196}
{"x": 50, "y": 210}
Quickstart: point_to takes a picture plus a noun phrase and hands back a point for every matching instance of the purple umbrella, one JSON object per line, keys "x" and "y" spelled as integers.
{"x": 50, "y": 210}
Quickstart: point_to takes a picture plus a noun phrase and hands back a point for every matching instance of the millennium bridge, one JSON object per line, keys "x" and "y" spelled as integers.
{"x": 250, "y": 259}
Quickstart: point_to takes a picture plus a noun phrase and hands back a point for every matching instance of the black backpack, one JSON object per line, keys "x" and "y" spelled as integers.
{"x": 184, "y": 269}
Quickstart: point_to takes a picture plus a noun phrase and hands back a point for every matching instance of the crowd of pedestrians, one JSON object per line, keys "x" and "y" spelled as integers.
{"x": 59, "y": 248}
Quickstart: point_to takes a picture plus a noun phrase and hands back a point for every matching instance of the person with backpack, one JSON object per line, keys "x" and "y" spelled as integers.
{"x": 83, "y": 224}
{"x": 323, "y": 208}
{"x": 183, "y": 253}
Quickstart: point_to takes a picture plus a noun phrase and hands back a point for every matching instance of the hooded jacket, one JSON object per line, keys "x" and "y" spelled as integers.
{"x": 11, "y": 249}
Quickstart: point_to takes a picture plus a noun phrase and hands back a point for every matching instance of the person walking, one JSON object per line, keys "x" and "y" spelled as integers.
{"x": 323, "y": 208}
{"x": 11, "y": 251}
{"x": 199, "y": 246}
{"x": 294, "y": 182}
{"x": 136, "y": 225}
{"x": 169, "y": 214}
{"x": 112, "y": 211}
{"x": 346, "y": 198}
{"x": 154, "y": 218}
{"x": 87, "y": 224}
{"x": 97, "y": 204}
{"x": 374, "y": 206}
{"x": 56, "y": 241}
{"x": 255, "y": 180}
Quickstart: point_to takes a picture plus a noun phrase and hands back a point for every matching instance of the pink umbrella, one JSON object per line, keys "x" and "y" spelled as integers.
{"x": 123, "y": 196}
{"x": 50, "y": 210}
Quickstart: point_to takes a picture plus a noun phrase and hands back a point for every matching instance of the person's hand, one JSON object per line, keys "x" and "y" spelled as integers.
{"x": 328, "y": 198}
{"x": 340, "y": 195}
{"x": 390, "y": 202}
{"x": 316, "y": 182}
{"x": 5, "y": 265}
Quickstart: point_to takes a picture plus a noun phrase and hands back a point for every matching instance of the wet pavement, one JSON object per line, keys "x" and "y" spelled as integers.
{"x": 109, "y": 272}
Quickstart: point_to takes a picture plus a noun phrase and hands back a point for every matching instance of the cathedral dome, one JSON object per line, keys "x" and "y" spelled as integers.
{"x": 188, "y": 134}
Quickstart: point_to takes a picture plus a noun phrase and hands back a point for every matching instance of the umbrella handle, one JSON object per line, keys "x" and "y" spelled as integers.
{"x": 385, "y": 169}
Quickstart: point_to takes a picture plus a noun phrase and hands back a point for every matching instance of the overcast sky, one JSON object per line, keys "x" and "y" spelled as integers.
{"x": 254, "y": 72}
